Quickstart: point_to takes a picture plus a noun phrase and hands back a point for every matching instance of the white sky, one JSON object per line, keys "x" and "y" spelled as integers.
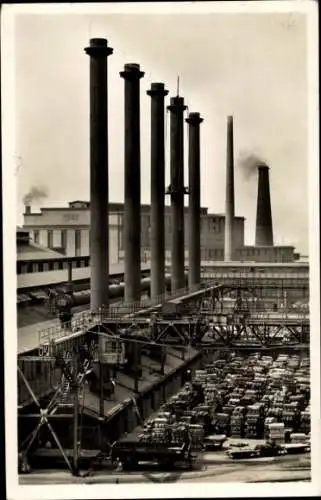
{"x": 253, "y": 66}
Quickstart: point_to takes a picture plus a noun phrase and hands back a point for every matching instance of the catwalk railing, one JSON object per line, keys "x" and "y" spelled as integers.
{"x": 255, "y": 275}
{"x": 86, "y": 320}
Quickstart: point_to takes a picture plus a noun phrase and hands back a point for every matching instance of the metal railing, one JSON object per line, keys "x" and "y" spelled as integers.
{"x": 85, "y": 320}
{"x": 254, "y": 275}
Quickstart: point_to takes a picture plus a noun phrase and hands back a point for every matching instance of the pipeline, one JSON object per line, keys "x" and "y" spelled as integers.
{"x": 115, "y": 291}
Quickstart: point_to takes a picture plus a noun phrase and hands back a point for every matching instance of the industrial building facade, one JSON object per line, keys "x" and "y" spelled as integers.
{"x": 67, "y": 230}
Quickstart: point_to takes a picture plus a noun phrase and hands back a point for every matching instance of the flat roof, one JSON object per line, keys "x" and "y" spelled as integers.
{"x": 31, "y": 252}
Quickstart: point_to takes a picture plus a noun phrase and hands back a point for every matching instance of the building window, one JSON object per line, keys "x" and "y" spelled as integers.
{"x": 77, "y": 242}
{"x": 64, "y": 239}
{"x": 51, "y": 266}
{"x": 60, "y": 265}
{"x": 29, "y": 267}
{"x": 50, "y": 239}
{"x": 120, "y": 238}
{"x": 36, "y": 237}
{"x": 40, "y": 267}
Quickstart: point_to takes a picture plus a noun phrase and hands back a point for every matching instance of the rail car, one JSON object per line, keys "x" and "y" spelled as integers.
{"x": 133, "y": 453}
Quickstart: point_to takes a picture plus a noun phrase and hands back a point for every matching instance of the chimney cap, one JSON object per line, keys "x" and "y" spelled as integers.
{"x": 132, "y": 71}
{"x": 194, "y": 118}
{"x": 263, "y": 166}
{"x": 98, "y": 47}
{"x": 176, "y": 104}
{"x": 132, "y": 67}
{"x": 157, "y": 88}
{"x": 98, "y": 42}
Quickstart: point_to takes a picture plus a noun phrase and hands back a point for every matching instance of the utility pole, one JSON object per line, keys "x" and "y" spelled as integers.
{"x": 76, "y": 411}
{"x": 101, "y": 389}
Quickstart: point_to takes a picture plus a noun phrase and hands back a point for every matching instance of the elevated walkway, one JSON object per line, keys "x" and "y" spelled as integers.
{"x": 31, "y": 337}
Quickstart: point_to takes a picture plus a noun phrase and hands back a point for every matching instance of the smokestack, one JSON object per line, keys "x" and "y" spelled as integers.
{"x": 264, "y": 228}
{"x": 132, "y": 224}
{"x": 194, "y": 120}
{"x": 27, "y": 209}
{"x": 177, "y": 190}
{"x": 157, "y": 93}
{"x": 229, "y": 200}
{"x": 99, "y": 213}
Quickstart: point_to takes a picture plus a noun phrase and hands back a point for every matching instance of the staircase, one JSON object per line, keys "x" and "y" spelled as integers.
{"x": 65, "y": 400}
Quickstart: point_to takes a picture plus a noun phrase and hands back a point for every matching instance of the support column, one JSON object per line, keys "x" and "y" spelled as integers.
{"x": 229, "y": 200}
{"x": 177, "y": 190}
{"x": 194, "y": 254}
{"x": 157, "y": 93}
{"x": 99, "y": 212}
{"x": 132, "y": 217}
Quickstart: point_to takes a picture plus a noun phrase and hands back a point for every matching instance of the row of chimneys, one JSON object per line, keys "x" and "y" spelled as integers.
{"x": 98, "y": 51}
{"x": 264, "y": 228}
{"x": 99, "y": 190}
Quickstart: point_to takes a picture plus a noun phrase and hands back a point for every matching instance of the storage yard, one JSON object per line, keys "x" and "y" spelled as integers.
{"x": 236, "y": 397}
{"x": 237, "y": 409}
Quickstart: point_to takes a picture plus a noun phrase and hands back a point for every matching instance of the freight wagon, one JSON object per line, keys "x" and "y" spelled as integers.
{"x": 132, "y": 453}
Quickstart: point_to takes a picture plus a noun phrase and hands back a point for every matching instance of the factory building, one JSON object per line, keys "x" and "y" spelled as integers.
{"x": 66, "y": 230}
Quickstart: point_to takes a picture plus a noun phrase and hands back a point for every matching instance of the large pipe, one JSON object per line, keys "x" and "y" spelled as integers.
{"x": 157, "y": 93}
{"x": 98, "y": 51}
{"x": 132, "y": 224}
{"x": 177, "y": 190}
{"x": 194, "y": 120}
{"x": 229, "y": 195}
{"x": 264, "y": 227}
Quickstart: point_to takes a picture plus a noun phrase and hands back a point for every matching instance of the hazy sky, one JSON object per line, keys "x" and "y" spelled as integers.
{"x": 252, "y": 66}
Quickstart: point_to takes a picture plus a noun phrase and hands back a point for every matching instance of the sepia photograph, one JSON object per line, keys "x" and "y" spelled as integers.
{"x": 161, "y": 248}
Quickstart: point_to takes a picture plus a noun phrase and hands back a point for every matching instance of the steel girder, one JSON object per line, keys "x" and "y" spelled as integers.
{"x": 44, "y": 415}
{"x": 260, "y": 335}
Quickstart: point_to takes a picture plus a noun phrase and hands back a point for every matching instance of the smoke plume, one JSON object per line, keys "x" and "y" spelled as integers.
{"x": 36, "y": 193}
{"x": 248, "y": 164}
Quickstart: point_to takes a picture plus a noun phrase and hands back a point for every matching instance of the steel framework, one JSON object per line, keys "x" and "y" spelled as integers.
{"x": 226, "y": 316}
{"x": 71, "y": 384}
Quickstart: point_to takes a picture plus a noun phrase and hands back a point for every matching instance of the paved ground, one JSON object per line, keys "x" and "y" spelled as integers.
{"x": 211, "y": 470}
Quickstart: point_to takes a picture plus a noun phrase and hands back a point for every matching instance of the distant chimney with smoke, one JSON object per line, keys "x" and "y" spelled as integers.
{"x": 264, "y": 227}
{"x": 36, "y": 193}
